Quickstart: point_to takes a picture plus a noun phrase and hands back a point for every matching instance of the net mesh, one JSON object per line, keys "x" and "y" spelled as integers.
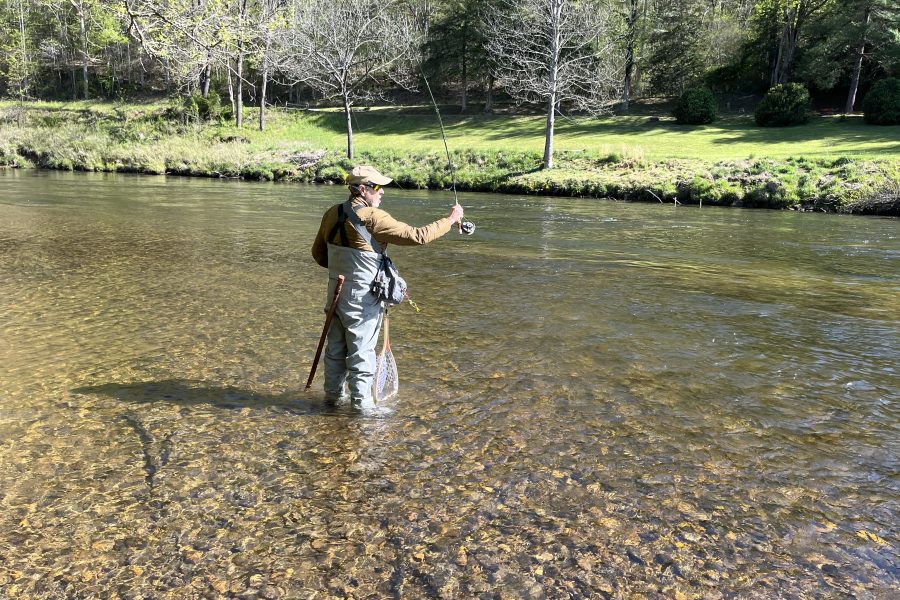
{"x": 386, "y": 381}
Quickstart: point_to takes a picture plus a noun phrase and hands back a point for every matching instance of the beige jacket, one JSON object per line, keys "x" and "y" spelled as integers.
{"x": 383, "y": 227}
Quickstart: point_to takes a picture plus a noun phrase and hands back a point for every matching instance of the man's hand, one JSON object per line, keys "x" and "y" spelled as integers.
{"x": 456, "y": 214}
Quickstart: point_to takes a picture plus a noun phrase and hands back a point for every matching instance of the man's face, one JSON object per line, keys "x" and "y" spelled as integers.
{"x": 372, "y": 194}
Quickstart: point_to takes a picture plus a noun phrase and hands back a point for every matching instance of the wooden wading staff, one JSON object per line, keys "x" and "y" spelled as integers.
{"x": 328, "y": 317}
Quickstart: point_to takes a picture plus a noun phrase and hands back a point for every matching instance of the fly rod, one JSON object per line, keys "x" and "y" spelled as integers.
{"x": 467, "y": 227}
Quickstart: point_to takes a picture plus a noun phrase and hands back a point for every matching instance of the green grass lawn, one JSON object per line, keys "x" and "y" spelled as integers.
{"x": 635, "y": 137}
{"x": 415, "y": 129}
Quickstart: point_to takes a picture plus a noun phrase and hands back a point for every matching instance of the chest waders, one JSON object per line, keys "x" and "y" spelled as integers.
{"x": 350, "y": 354}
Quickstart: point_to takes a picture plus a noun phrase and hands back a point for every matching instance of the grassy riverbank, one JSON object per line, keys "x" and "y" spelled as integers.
{"x": 832, "y": 164}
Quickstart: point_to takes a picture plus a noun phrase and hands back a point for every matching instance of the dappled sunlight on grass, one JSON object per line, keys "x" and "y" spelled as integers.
{"x": 733, "y": 138}
{"x": 416, "y": 129}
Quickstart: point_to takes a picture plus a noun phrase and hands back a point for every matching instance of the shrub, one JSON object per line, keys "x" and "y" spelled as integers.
{"x": 209, "y": 108}
{"x": 133, "y": 131}
{"x": 696, "y": 107}
{"x": 806, "y": 187}
{"x": 705, "y": 190}
{"x": 725, "y": 78}
{"x": 48, "y": 120}
{"x": 881, "y": 105}
{"x": 262, "y": 172}
{"x": 196, "y": 109}
{"x": 784, "y": 104}
{"x": 411, "y": 177}
{"x": 190, "y": 111}
{"x": 333, "y": 173}
{"x": 770, "y": 194}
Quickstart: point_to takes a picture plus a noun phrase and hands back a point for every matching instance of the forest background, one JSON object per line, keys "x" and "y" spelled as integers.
{"x": 168, "y": 86}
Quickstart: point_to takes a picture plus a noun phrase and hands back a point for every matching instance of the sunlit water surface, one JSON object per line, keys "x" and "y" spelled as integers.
{"x": 597, "y": 399}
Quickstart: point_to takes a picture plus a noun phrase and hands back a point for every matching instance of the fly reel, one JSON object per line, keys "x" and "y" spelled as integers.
{"x": 467, "y": 227}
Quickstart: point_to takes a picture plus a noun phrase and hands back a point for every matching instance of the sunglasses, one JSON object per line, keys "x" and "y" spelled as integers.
{"x": 375, "y": 187}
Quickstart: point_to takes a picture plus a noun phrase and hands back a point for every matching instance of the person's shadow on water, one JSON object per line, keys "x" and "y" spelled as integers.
{"x": 186, "y": 392}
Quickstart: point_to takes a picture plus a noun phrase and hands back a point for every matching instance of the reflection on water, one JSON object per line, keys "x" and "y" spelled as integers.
{"x": 597, "y": 399}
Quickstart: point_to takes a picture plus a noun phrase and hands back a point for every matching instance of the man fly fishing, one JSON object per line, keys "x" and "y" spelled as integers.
{"x": 351, "y": 242}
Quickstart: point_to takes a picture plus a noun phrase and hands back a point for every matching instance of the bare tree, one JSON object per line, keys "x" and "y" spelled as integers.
{"x": 190, "y": 36}
{"x": 241, "y": 7}
{"x": 269, "y": 12}
{"x": 81, "y": 10}
{"x": 18, "y": 59}
{"x": 185, "y": 36}
{"x": 553, "y": 52}
{"x": 344, "y": 49}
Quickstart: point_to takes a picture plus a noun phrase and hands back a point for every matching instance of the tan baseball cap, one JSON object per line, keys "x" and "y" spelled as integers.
{"x": 365, "y": 174}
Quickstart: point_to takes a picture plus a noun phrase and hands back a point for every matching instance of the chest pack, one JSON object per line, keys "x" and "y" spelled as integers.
{"x": 387, "y": 286}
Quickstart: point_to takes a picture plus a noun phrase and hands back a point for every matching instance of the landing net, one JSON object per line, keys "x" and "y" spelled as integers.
{"x": 387, "y": 382}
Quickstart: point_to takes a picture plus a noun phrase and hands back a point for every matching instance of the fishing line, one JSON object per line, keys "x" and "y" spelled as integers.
{"x": 466, "y": 227}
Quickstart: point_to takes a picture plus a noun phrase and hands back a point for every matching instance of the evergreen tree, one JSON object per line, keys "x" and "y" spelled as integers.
{"x": 454, "y": 51}
{"x": 677, "y": 56}
{"x": 855, "y": 42}
{"x": 780, "y": 31}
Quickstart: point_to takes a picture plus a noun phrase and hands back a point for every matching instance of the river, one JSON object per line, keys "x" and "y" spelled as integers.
{"x": 597, "y": 399}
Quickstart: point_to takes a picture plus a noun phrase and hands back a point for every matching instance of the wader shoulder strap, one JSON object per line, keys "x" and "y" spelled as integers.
{"x": 350, "y": 214}
{"x": 339, "y": 227}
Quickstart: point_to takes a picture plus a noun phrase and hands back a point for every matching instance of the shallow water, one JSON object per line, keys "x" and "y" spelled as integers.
{"x": 597, "y": 399}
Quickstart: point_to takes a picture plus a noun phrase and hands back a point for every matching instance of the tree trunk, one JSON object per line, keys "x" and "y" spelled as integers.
{"x": 794, "y": 20}
{"x": 265, "y": 81}
{"x": 626, "y": 87}
{"x": 239, "y": 93}
{"x": 629, "y": 52}
{"x": 84, "y": 51}
{"x": 465, "y": 87}
{"x": 787, "y": 45}
{"x": 262, "y": 98}
{"x": 231, "y": 89}
{"x": 462, "y": 100}
{"x": 548, "y": 133}
{"x": 465, "y": 77}
{"x": 777, "y": 74}
{"x": 239, "y": 68}
{"x": 347, "y": 113}
{"x": 23, "y": 84}
{"x": 206, "y": 77}
{"x": 857, "y": 65}
{"x": 489, "y": 95}
{"x": 556, "y": 8}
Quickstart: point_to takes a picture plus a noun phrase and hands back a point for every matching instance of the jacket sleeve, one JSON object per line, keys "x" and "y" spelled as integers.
{"x": 388, "y": 230}
{"x": 320, "y": 251}
{"x": 320, "y": 247}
